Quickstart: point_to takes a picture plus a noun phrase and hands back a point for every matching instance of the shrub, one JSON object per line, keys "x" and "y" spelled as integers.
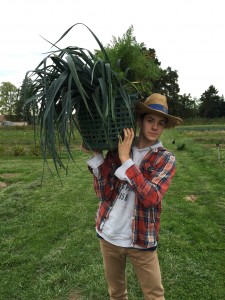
{"x": 19, "y": 151}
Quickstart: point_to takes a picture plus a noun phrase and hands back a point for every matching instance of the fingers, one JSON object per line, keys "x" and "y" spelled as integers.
{"x": 124, "y": 146}
{"x": 128, "y": 134}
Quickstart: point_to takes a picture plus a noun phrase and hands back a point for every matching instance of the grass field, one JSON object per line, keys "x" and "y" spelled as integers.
{"x": 49, "y": 250}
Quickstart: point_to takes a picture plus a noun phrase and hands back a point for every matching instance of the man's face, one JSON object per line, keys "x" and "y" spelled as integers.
{"x": 151, "y": 128}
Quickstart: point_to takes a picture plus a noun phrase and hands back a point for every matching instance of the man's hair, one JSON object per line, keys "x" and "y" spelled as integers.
{"x": 142, "y": 116}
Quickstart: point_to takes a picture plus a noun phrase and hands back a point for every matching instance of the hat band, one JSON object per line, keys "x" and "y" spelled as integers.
{"x": 159, "y": 107}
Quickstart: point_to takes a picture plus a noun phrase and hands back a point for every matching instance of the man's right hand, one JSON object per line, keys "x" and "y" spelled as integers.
{"x": 124, "y": 146}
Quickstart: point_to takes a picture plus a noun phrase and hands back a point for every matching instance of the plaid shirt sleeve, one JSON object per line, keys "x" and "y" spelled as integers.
{"x": 152, "y": 179}
{"x": 105, "y": 184}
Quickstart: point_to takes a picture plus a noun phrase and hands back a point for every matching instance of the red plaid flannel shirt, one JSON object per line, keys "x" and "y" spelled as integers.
{"x": 149, "y": 182}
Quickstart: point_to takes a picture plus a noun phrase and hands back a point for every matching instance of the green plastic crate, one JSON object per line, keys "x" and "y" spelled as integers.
{"x": 104, "y": 136}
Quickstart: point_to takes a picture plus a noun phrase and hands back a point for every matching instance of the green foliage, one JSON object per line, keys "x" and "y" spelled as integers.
{"x": 24, "y": 112}
{"x": 204, "y": 121}
{"x": 19, "y": 150}
{"x": 64, "y": 83}
{"x": 132, "y": 60}
{"x": 211, "y": 104}
{"x": 8, "y": 97}
{"x": 35, "y": 151}
{"x": 213, "y": 128}
{"x": 168, "y": 85}
{"x": 187, "y": 107}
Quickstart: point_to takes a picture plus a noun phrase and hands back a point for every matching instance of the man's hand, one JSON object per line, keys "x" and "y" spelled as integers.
{"x": 124, "y": 146}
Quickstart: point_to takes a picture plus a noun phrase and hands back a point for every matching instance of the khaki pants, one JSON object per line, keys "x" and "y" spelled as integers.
{"x": 145, "y": 264}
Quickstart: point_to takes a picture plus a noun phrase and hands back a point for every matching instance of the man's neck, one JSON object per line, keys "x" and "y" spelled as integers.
{"x": 140, "y": 143}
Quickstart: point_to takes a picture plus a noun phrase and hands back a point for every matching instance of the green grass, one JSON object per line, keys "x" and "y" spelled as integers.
{"x": 201, "y": 128}
{"x": 204, "y": 121}
{"x": 49, "y": 250}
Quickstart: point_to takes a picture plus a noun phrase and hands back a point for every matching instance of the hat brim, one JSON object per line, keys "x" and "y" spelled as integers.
{"x": 172, "y": 121}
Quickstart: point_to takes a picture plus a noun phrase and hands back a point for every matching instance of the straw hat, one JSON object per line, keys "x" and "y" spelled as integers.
{"x": 157, "y": 104}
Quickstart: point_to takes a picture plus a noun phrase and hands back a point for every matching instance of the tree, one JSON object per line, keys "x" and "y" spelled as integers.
{"x": 133, "y": 59}
{"x": 141, "y": 65}
{"x": 187, "y": 107}
{"x": 8, "y": 96}
{"x": 22, "y": 108}
{"x": 222, "y": 106}
{"x": 211, "y": 104}
{"x": 168, "y": 85}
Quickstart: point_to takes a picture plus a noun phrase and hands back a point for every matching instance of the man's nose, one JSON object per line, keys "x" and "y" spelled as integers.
{"x": 155, "y": 125}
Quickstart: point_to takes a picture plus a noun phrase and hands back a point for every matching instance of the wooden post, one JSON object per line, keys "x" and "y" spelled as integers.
{"x": 218, "y": 150}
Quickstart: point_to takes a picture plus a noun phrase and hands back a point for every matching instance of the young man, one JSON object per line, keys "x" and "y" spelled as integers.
{"x": 130, "y": 183}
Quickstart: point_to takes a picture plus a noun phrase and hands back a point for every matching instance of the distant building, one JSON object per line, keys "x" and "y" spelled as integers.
{"x": 19, "y": 123}
{"x": 8, "y": 123}
{"x": 4, "y": 122}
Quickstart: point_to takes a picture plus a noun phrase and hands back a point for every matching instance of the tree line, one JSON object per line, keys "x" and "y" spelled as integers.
{"x": 139, "y": 65}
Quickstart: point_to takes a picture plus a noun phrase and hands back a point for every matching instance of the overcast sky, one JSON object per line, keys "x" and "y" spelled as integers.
{"x": 188, "y": 35}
